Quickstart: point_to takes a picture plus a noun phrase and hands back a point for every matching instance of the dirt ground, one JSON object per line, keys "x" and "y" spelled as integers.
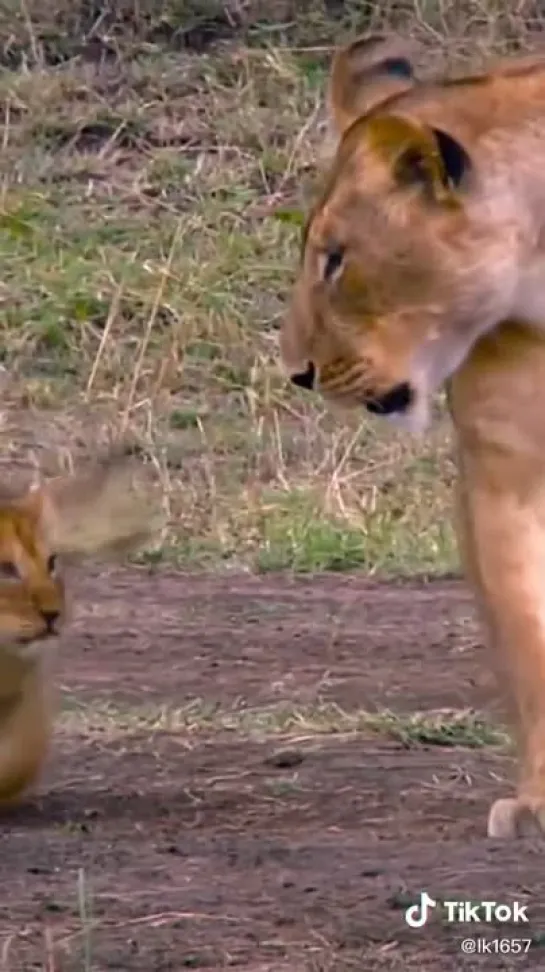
{"x": 212, "y": 850}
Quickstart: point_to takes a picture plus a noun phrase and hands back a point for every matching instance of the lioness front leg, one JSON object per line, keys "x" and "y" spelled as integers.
{"x": 500, "y": 423}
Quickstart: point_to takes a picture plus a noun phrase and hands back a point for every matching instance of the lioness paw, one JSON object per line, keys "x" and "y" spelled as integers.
{"x": 512, "y": 817}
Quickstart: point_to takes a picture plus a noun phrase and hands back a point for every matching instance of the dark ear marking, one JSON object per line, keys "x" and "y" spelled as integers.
{"x": 456, "y": 161}
{"x": 413, "y": 166}
{"x": 391, "y": 67}
{"x": 398, "y": 67}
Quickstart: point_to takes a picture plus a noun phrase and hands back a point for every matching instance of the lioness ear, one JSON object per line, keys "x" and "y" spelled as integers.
{"x": 364, "y": 74}
{"x": 419, "y": 155}
{"x": 109, "y": 510}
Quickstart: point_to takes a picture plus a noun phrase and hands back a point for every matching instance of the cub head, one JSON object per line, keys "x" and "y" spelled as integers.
{"x": 403, "y": 258}
{"x": 101, "y": 512}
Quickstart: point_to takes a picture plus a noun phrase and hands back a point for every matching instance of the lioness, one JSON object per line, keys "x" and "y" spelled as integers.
{"x": 423, "y": 262}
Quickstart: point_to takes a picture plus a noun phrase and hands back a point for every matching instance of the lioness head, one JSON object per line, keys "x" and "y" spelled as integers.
{"x": 103, "y": 511}
{"x": 403, "y": 261}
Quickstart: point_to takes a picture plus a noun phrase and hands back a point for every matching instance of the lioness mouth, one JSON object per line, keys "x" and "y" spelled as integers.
{"x": 398, "y": 399}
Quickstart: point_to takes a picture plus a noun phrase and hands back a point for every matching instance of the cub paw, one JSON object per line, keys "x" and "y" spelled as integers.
{"x": 513, "y": 817}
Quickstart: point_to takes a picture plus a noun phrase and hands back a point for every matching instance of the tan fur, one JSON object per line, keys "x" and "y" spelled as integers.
{"x": 434, "y": 210}
{"x": 101, "y": 512}
{"x": 358, "y": 80}
{"x": 429, "y": 263}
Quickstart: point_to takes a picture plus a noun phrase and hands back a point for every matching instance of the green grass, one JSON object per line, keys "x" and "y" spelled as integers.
{"x": 151, "y": 197}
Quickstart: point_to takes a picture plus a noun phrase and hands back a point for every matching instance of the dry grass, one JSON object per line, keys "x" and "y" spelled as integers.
{"x": 155, "y": 164}
{"x": 294, "y": 723}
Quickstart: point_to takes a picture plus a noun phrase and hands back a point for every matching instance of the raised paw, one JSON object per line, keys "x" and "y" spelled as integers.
{"x": 513, "y": 817}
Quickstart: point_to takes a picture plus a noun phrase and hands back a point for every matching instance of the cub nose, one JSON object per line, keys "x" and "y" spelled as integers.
{"x": 50, "y": 616}
{"x": 305, "y": 379}
{"x": 398, "y": 399}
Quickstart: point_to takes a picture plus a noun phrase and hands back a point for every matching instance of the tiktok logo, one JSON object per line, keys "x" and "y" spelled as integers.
{"x": 417, "y": 915}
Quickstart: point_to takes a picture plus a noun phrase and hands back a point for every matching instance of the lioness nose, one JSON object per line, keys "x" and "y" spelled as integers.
{"x": 305, "y": 379}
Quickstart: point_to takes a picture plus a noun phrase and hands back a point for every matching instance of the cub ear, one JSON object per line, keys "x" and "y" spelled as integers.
{"x": 364, "y": 74}
{"x": 418, "y": 155}
{"x": 110, "y": 510}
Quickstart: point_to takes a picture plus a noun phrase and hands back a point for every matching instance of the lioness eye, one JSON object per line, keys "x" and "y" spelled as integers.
{"x": 52, "y": 563}
{"x": 333, "y": 262}
{"x": 8, "y": 569}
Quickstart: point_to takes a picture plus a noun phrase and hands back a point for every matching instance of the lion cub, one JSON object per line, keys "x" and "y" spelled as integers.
{"x": 101, "y": 512}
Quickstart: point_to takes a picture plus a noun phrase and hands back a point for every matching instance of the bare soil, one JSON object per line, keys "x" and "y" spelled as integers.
{"x": 211, "y": 850}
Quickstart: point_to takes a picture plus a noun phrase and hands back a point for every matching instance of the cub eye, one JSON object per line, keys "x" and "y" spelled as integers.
{"x": 8, "y": 569}
{"x": 52, "y": 563}
{"x": 333, "y": 262}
